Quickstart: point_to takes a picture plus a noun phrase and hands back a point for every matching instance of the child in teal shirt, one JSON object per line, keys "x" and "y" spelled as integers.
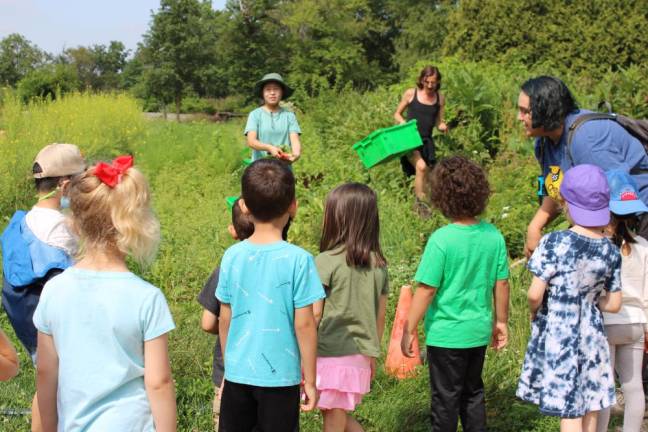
{"x": 463, "y": 271}
{"x": 267, "y": 328}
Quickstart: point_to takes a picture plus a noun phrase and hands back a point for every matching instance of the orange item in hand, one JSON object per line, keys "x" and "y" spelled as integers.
{"x": 396, "y": 364}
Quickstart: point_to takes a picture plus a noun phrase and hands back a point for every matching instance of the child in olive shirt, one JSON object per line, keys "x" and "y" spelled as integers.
{"x": 463, "y": 271}
{"x": 351, "y": 319}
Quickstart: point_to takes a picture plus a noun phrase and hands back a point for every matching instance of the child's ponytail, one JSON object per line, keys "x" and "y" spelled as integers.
{"x": 624, "y": 226}
{"x": 111, "y": 208}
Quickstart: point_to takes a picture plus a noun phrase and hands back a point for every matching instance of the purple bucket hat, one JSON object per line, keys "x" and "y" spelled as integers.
{"x": 586, "y": 191}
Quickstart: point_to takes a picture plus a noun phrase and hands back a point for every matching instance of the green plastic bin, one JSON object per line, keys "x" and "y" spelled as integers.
{"x": 231, "y": 201}
{"x": 386, "y": 144}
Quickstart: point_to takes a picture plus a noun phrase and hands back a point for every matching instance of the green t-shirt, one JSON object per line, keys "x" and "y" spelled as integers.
{"x": 271, "y": 128}
{"x": 462, "y": 262}
{"x": 348, "y": 323}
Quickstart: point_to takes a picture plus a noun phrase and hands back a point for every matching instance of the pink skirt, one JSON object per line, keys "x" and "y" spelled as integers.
{"x": 342, "y": 381}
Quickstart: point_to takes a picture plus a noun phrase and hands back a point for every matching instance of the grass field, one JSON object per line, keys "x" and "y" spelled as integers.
{"x": 192, "y": 168}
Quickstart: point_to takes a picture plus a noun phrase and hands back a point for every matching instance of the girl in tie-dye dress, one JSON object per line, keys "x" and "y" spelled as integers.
{"x": 566, "y": 369}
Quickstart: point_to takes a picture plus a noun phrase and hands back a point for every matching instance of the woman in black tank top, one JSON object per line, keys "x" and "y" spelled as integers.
{"x": 425, "y": 104}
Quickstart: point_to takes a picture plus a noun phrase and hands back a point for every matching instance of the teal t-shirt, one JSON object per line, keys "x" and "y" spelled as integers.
{"x": 462, "y": 262}
{"x": 264, "y": 284}
{"x": 99, "y": 322}
{"x": 271, "y": 128}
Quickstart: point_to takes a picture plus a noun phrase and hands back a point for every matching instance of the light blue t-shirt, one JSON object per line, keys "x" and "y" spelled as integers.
{"x": 99, "y": 322}
{"x": 264, "y": 284}
{"x": 271, "y": 128}
{"x": 603, "y": 143}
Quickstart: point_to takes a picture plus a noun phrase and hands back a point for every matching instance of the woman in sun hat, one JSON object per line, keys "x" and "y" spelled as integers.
{"x": 566, "y": 370}
{"x": 271, "y": 129}
{"x": 627, "y": 330}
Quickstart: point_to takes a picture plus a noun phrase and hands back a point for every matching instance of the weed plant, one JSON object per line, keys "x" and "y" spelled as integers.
{"x": 193, "y": 167}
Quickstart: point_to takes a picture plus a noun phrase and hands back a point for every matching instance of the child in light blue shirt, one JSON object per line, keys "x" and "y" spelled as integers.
{"x": 267, "y": 327}
{"x": 103, "y": 362}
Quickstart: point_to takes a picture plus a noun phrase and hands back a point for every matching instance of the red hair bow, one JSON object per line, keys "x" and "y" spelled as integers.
{"x": 112, "y": 174}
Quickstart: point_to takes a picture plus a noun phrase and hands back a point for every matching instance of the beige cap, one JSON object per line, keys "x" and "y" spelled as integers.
{"x": 58, "y": 160}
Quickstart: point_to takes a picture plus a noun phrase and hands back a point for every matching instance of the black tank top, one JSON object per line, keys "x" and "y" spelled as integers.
{"x": 425, "y": 115}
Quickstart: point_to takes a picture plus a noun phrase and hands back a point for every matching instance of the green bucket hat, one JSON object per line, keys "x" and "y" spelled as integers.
{"x": 272, "y": 77}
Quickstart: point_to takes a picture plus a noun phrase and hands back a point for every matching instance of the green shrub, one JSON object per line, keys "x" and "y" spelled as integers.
{"x": 48, "y": 82}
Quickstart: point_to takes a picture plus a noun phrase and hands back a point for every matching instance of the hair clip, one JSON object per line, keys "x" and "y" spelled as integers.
{"x": 111, "y": 175}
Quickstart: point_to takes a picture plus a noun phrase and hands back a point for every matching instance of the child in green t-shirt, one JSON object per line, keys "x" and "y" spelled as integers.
{"x": 462, "y": 273}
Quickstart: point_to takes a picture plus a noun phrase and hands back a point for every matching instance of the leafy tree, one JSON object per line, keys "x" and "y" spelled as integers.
{"x": 98, "y": 67}
{"x": 48, "y": 81}
{"x": 175, "y": 48}
{"x": 18, "y": 57}
{"x": 562, "y": 36}
{"x": 326, "y": 42}
{"x": 251, "y": 42}
{"x": 422, "y": 29}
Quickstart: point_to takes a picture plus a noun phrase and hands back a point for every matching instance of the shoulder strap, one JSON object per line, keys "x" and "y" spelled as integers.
{"x": 579, "y": 121}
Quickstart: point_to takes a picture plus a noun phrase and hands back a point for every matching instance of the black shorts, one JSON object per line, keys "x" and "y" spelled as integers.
{"x": 428, "y": 153}
{"x": 247, "y": 408}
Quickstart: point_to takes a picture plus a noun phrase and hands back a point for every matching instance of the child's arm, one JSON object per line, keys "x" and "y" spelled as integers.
{"x": 47, "y": 381}
{"x": 535, "y": 295}
{"x": 500, "y": 328}
{"x": 159, "y": 384}
{"x": 306, "y": 333}
{"x": 380, "y": 327}
{"x": 422, "y": 298}
{"x": 610, "y": 302}
{"x": 318, "y": 310}
{"x": 223, "y": 325}
{"x": 380, "y": 321}
{"x": 209, "y": 322}
{"x": 8, "y": 358}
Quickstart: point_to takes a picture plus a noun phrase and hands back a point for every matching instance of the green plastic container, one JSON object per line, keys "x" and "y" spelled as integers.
{"x": 231, "y": 201}
{"x": 386, "y": 144}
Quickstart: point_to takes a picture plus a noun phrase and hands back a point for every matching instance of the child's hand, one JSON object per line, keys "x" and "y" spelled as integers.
{"x": 500, "y": 336}
{"x": 406, "y": 344}
{"x": 310, "y": 397}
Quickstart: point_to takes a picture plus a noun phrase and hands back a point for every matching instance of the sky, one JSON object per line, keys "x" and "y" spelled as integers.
{"x": 54, "y": 25}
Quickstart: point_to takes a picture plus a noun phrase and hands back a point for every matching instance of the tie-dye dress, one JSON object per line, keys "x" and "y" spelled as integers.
{"x": 566, "y": 370}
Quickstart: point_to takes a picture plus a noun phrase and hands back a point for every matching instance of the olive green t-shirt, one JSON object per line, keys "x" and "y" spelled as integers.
{"x": 348, "y": 324}
{"x": 462, "y": 262}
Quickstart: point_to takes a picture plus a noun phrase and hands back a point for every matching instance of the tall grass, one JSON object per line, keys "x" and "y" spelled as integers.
{"x": 192, "y": 168}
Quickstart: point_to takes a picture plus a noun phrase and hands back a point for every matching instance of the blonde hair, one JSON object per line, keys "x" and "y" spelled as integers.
{"x": 119, "y": 217}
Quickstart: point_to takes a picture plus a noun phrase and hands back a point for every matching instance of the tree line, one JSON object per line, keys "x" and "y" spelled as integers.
{"x": 191, "y": 50}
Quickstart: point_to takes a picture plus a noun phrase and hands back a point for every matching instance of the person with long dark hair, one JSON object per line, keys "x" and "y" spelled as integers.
{"x": 547, "y": 110}
{"x": 426, "y": 104}
{"x": 351, "y": 319}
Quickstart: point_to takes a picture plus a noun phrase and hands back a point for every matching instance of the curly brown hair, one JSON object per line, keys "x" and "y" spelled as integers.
{"x": 459, "y": 188}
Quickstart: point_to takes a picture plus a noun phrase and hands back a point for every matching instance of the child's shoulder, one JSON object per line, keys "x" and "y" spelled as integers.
{"x": 282, "y": 248}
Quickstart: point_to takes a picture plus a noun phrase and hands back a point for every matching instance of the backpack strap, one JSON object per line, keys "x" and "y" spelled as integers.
{"x": 579, "y": 121}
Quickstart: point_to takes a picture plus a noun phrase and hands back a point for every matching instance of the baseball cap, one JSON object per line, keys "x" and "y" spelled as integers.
{"x": 586, "y": 191}
{"x": 58, "y": 160}
{"x": 624, "y": 195}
